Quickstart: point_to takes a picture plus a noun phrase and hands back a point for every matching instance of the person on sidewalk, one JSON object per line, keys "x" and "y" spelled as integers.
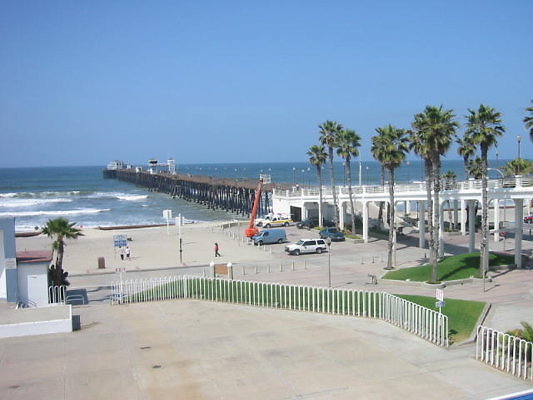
{"x": 128, "y": 253}
{"x": 217, "y": 254}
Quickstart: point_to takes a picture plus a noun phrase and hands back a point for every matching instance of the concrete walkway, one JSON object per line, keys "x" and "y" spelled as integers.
{"x": 199, "y": 350}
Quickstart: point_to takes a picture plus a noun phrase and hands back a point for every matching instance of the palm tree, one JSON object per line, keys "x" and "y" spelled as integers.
{"x": 466, "y": 150}
{"x": 518, "y": 166}
{"x": 318, "y": 156}
{"x": 528, "y": 120}
{"x": 390, "y": 147}
{"x": 329, "y": 131}
{"x": 418, "y": 144}
{"x": 484, "y": 126}
{"x": 60, "y": 229}
{"x": 436, "y": 128}
{"x": 449, "y": 183}
{"x": 348, "y": 146}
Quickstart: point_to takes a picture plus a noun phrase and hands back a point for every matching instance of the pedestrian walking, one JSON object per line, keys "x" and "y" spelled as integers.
{"x": 128, "y": 253}
{"x": 122, "y": 254}
{"x": 217, "y": 254}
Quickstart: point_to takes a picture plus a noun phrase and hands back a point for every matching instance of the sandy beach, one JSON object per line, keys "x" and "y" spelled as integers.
{"x": 153, "y": 247}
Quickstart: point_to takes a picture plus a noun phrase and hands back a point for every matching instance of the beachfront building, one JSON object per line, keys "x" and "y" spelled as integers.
{"x": 8, "y": 264}
{"x": 303, "y": 203}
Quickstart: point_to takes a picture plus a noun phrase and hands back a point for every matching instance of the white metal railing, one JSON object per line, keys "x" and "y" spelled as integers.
{"x": 428, "y": 324}
{"x": 505, "y": 352}
{"x": 56, "y": 294}
{"x": 471, "y": 184}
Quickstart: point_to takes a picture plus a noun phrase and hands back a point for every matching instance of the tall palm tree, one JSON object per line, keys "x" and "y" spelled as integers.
{"x": 467, "y": 150}
{"x": 449, "y": 183}
{"x": 60, "y": 229}
{"x": 348, "y": 147}
{"x": 390, "y": 147}
{"x": 329, "y": 131}
{"x": 436, "y": 128}
{"x": 318, "y": 156}
{"x": 418, "y": 144}
{"x": 528, "y": 120}
{"x": 484, "y": 126}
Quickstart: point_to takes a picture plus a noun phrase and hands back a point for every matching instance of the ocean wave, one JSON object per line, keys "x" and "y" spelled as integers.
{"x": 43, "y": 195}
{"x": 118, "y": 195}
{"x": 16, "y": 203}
{"x": 81, "y": 211}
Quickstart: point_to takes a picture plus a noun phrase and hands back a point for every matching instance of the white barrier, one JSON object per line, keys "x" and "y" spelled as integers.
{"x": 505, "y": 352}
{"x": 56, "y": 294}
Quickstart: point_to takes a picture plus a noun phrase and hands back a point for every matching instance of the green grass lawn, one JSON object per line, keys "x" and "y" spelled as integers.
{"x": 462, "y": 314}
{"x": 450, "y": 268}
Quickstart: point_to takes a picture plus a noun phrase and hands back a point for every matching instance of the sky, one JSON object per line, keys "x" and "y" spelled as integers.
{"x": 87, "y": 82}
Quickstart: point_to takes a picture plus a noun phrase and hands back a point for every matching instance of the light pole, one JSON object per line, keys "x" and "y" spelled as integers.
{"x": 519, "y": 139}
{"x": 293, "y": 176}
{"x": 360, "y": 169}
{"x": 328, "y": 242}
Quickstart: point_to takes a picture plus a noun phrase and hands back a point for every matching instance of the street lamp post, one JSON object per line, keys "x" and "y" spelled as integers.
{"x": 360, "y": 169}
{"x": 293, "y": 176}
{"x": 519, "y": 139}
{"x": 328, "y": 242}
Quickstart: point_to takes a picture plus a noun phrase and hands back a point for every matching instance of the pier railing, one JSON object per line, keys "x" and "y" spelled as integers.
{"x": 505, "y": 352}
{"x": 423, "y": 322}
{"x": 471, "y": 184}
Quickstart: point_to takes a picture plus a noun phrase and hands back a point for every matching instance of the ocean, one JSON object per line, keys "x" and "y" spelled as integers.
{"x": 81, "y": 194}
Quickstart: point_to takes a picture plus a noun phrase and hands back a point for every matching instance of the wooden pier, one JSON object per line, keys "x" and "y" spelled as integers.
{"x": 231, "y": 195}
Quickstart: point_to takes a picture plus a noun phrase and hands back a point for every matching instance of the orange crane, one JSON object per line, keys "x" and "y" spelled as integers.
{"x": 252, "y": 230}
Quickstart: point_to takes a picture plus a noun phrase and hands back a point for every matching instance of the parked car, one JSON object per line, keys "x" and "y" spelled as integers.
{"x": 269, "y": 236}
{"x": 307, "y": 223}
{"x": 303, "y": 246}
{"x": 528, "y": 219}
{"x": 312, "y": 222}
{"x": 333, "y": 233}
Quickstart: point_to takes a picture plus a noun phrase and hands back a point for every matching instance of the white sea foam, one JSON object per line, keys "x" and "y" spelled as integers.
{"x": 17, "y": 203}
{"x": 40, "y": 195}
{"x": 81, "y": 211}
{"x": 132, "y": 197}
{"x": 118, "y": 195}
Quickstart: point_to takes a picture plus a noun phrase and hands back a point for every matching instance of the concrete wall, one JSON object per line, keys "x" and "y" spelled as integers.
{"x": 29, "y": 322}
{"x": 8, "y": 253}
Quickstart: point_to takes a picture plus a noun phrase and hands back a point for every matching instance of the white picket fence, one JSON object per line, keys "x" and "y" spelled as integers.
{"x": 428, "y": 324}
{"x": 505, "y": 352}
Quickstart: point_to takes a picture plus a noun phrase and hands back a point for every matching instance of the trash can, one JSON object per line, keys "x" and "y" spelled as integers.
{"x": 101, "y": 263}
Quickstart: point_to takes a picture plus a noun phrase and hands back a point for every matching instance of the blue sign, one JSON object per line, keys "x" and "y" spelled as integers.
{"x": 120, "y": 240}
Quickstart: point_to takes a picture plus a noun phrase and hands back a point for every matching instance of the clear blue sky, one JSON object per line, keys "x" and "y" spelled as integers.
{"x": 85, "y": 82}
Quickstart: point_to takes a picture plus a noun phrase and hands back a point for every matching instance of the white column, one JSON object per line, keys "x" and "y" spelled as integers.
{"x": 320, "y": 216}
{"x": 455, "y": 213}
{"x": 421, "y": 224}
{"x": 365, "y": 221}
{"x": 407, "y": 208}
{"x": 341, "y": 215}
{"x": 441, "y": 230}
{"x": 463, "y": 217}
{"x": 519, "y": 224}
{"x": 471, "y": 227}
{"x": 496, "y": 210}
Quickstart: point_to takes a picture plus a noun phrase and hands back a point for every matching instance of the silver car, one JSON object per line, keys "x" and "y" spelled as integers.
{"x": 303, "y": 246}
